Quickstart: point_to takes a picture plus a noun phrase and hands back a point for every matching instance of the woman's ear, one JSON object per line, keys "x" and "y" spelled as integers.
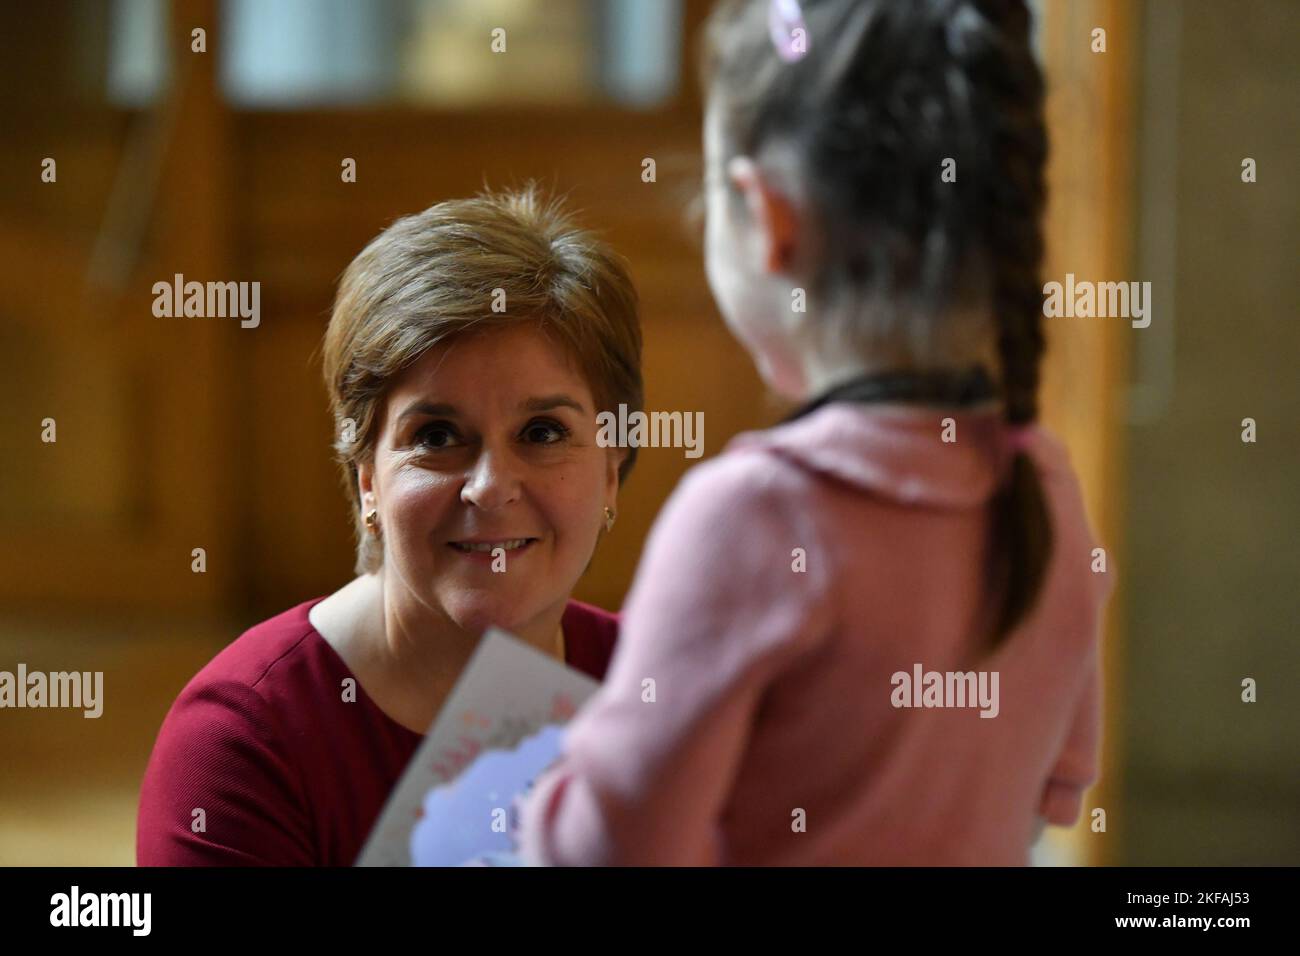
{"x": 774, "y": 215}
{"x": 614, "y": 458}
{"x": 365, "y": 484}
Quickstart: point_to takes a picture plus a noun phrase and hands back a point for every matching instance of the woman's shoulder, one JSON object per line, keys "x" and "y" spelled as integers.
{"x": 263, "y": 686}
{"x": 224, "y": 749}
{"x": 260, "y": 653}
{"x": 249, "y": 688}
{"x": 590, "y": 634}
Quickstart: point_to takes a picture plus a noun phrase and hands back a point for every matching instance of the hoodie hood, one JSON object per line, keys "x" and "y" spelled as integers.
{"x": 898, "y": 451}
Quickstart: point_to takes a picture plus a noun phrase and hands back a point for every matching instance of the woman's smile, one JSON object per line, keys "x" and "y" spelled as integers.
{"x": 485, "y": 551}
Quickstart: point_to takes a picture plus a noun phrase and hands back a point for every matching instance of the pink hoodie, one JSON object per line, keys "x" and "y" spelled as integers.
{"x": 749, "y": 713}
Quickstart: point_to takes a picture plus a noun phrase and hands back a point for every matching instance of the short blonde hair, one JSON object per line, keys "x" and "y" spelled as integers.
{"x": 432, "y": 276}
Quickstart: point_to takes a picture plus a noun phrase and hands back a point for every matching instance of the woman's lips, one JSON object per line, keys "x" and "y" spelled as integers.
{"x": 483, "y": 551}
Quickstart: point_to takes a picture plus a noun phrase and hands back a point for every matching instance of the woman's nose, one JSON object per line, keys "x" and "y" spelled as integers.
{"x": 492, "y": 482}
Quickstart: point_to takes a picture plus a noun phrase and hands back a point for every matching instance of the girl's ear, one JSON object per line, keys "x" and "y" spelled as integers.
{"x": 774, "y": 216}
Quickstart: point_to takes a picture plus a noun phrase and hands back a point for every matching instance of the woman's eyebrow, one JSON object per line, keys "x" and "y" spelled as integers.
{"x": 546, "y": 402}
{"x": 427, "y": 408}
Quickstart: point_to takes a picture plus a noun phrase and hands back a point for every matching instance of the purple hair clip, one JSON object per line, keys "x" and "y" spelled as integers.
{"x": 789, "y": 34}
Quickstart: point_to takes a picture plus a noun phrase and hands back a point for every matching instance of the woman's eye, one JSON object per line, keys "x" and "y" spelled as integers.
{"x": 437, "y": 435}
{"x": 545, "y": 432}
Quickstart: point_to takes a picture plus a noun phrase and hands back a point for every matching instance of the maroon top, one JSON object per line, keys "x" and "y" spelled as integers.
{"x": 285, "y": 771}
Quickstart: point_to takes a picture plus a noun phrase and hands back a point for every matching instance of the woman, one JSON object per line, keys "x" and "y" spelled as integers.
{"x": 469, "y": 352}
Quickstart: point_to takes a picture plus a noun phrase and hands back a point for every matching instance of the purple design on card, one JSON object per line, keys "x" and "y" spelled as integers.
{"x": 455, "y": 828}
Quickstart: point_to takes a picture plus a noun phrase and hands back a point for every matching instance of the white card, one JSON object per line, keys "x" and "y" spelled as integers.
{"x": 456, "y": 803}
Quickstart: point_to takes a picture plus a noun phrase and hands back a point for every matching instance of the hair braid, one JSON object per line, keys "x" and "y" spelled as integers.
{"x": 1015, "y": 238}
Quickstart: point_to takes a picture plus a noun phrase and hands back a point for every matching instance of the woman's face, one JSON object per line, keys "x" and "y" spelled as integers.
{"x": 487, "y": 443}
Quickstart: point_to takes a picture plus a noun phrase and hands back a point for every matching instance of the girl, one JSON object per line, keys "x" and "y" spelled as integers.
{"x": 868, "y": 635}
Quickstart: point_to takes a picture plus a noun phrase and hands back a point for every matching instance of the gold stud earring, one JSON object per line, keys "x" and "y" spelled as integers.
{"x": 372, "y": 521}
{"x": 609, "y": 519}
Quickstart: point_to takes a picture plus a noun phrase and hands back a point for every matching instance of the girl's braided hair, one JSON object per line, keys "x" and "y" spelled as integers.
{"x": 887, "y": 94}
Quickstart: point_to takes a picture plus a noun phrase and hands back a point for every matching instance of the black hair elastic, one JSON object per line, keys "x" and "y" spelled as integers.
{"x": 960, "y": 388}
